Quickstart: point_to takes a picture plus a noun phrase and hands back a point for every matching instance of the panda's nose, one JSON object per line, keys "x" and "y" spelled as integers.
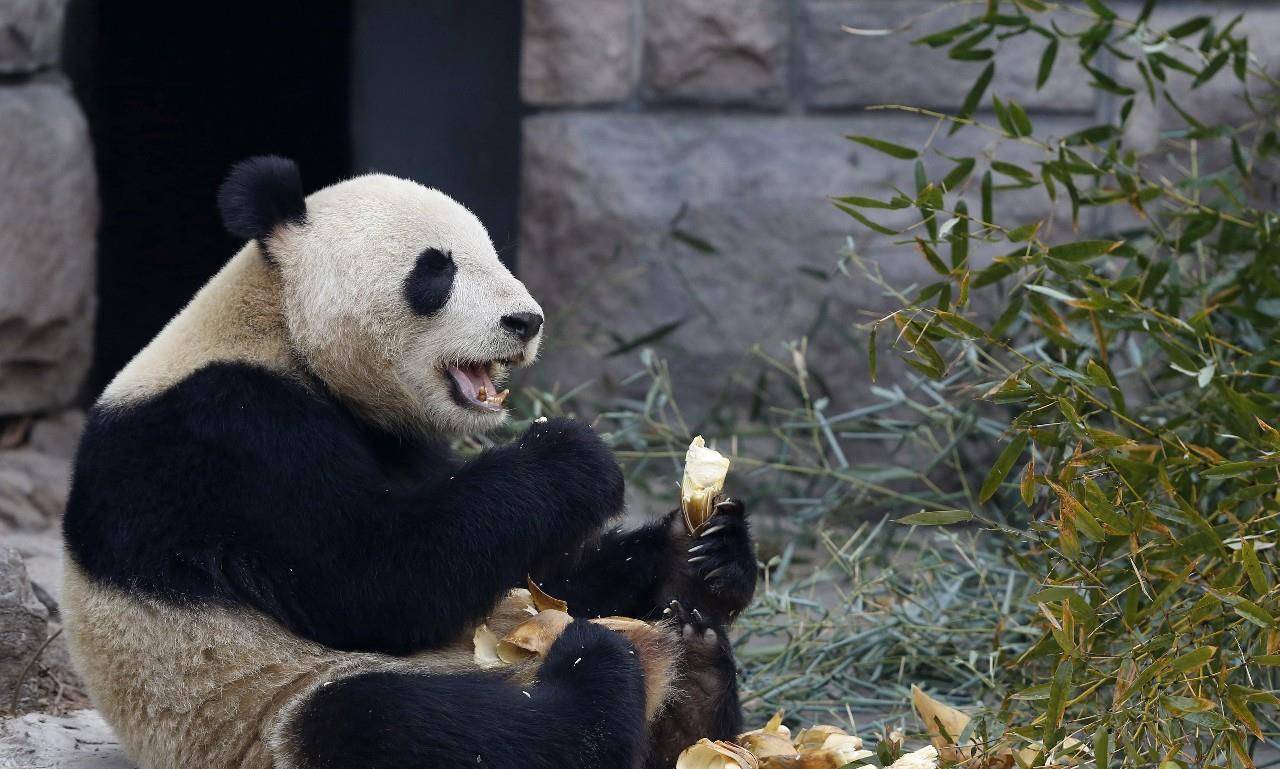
{"x": 523, "y": 324}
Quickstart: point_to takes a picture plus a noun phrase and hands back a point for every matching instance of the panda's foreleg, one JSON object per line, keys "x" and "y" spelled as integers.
{"x": 636, "y": 573}
{"x": 713, "y": 570}
{"x": 613, "y": 574}
{"x": 586, "y": 710}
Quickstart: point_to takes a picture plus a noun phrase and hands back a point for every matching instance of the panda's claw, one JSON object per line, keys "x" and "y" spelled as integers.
{"x": 698, "y": 559}
{"x": 713, "y": 529}
{"x": 695, "y": 628}
{"x": 716, "y": 573}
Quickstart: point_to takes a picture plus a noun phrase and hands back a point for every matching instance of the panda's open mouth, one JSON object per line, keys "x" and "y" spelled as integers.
{"x": 472, "y": 386}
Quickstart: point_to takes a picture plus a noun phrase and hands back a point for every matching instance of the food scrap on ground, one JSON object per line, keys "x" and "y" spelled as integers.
{"x": 819, "y": 747}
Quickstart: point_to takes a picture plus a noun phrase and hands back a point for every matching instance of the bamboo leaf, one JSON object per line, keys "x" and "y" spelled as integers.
{"x": 1058, "y": 692}
{"x": 1084, "y": 250}
{"x": 1252, "y": 567}
{"x": 1018, "y": 117}
{"x": 1254, "y": 613}
{"x": 1194, "y": 659}
{"x": 974, "y": 97}
{"x": 888, "y": 148}
{"x": 935, "y": 517}
{"x": 872, "y": 350}
{"x": 865, "y": 220}
{"x": 1003, "y": 464}
{"x": 958, "y": 174}
{"x": 1047, "y": 60}
{"x": 1190, "y": 26}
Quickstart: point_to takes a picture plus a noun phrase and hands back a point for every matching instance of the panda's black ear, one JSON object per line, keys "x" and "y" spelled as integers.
{"x": 259, "y": 194}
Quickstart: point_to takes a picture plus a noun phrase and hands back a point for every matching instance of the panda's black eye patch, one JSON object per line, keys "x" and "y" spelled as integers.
{"x": 428, "y": 285}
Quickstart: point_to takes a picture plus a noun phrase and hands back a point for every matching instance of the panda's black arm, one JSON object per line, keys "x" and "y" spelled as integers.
{"x": 617, "y": 573}
{"x": 241, "y": 487}
{"x": 637, "y": 573}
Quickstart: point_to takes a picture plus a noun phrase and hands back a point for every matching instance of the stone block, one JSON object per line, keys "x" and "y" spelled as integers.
{"x": 48, "y": 219}
{"x": 23, "y": 627}
{"x": 717, "y": 51}
{"x": 577, "y": 52}
{"x": 599, "y": 195}
{"x": 79, "y": 739}
{"x": 33, "y": 490}
{"x": 58, "y": 435}
{"x": 30, "y": 34}
{"x": 844, "y": 70}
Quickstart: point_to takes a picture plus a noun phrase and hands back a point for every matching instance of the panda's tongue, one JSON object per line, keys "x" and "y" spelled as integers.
{"x": 476, "y": 387}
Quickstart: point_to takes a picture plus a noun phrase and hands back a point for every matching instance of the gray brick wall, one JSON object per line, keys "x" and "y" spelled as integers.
{"x": 729, "y": 115}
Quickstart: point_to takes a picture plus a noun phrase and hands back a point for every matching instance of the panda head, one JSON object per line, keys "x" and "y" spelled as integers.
{"x": 391, "y": 293}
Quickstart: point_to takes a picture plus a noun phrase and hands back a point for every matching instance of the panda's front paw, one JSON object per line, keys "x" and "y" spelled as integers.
{"x": 721, "y": 555}
{"x": 579, "y": 466}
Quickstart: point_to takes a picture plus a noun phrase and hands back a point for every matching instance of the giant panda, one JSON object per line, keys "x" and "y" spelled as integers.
{"x": 274, "y": 559}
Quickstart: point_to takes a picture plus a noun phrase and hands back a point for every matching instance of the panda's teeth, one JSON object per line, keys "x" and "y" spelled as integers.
{"x": 482, "y": 394}
{"x": 501, "y": 397}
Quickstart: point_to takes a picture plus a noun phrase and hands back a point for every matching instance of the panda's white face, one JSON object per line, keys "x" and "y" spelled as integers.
{"x": 394, "y": 296}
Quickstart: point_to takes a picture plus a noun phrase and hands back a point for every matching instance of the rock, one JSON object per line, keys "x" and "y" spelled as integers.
{"x": 30, "y": 34}
{"x": 35, "y": 478}
{"x": 23, "y": 629}
{"x": 79, "y": 739}
{"x": 599, "y": 254}
{"x": 844, "y": 70}
{"x": 33, "y": 489}
{"x": 41, "y": 553}
{"x": 48, "y": 218}
{"x": 57, "y": 435}
{"x": 577, "y": 52}
{"x": 716, "y": 51}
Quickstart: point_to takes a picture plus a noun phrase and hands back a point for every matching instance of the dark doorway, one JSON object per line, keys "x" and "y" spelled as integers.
{"x": 174, "y": 94}
{"x": 435, "y": 98}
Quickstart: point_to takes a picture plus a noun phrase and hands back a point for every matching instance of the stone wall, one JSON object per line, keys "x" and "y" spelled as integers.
{"x": 48, "y": 222}
{"x": 728, "y": 117}
{"x": 48, "y": 217}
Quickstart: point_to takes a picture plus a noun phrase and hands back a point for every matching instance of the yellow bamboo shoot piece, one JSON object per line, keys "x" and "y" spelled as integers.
{"x": 924, "y": 758}
{"x": 533, "y": 637}
{"x": 542, "y": 601}
{"x": 938, "y": 716}
{"x": 486, "y": 644}
{"x": 704, "y": 473}
{"x": 705, "y": 754}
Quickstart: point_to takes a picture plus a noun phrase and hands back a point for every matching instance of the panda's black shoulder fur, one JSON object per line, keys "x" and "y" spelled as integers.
{"x": 244, "y": 487}
{"x": 259, "y": 194}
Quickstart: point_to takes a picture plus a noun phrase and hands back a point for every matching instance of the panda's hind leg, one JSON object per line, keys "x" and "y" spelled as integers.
{"x": 586, "y": 710}
{"x": 706, "y": 703}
